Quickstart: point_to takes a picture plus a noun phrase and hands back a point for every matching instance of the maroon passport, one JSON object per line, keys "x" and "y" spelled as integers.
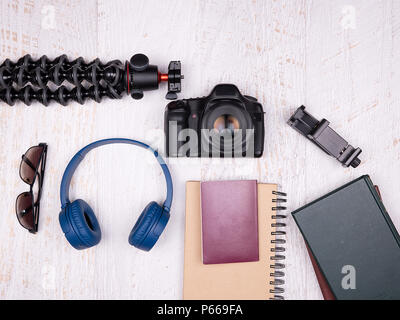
{"x": 229, "y": 221}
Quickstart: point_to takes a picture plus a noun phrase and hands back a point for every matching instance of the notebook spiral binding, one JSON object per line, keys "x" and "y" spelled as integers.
{"x": 278, "y": 256}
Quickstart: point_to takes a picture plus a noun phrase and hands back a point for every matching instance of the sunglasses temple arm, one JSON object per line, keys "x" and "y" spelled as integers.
{"x": 28, "y": 162}
{"x": 43, "y": 165}
{"x": 41, "y": 179}
{"x": 36, "y": 217}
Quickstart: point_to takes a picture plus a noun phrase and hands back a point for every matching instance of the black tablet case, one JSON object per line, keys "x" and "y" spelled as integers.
{"x": 350, "y": 226}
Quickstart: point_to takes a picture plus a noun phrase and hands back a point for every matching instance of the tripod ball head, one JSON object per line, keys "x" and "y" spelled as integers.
{"x": 142, "y": 76}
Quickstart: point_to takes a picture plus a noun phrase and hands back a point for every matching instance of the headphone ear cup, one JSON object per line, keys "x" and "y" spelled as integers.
{"x": 148, "y": 227}
{"x": 80, "y": 225}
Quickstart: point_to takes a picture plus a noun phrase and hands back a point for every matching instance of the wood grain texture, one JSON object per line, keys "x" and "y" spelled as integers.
{"x": 339, "y": 58}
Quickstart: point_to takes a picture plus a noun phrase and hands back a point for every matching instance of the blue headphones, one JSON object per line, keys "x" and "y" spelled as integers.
{"x": 79, "y": 223}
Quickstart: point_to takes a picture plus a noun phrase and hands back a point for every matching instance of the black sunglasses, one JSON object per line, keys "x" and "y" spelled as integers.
{"x": 31, "y": 170}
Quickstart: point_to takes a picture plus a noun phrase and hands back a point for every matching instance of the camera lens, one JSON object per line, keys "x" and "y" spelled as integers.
{"x": 226, "y": 129}
{"x": 226, "y": 122}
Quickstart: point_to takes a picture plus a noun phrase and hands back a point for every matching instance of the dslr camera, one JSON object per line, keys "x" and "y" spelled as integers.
{"x": 223, "y": 124}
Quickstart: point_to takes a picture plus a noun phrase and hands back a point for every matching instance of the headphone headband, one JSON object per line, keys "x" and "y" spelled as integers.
{"x": 80, "y": 155}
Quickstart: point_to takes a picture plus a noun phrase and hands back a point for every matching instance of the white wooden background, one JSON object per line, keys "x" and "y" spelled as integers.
{"x": 339, "y": 58}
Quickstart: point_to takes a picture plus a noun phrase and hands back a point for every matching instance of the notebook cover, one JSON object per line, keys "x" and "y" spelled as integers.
{"x": 235, "y": 281}
{"x": 350, "y": 226}
{"x": 229, "y": 221}
{"x": 323, "y": 284}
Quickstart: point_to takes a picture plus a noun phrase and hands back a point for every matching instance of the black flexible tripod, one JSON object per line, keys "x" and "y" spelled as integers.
{"x": 28, "y": 80}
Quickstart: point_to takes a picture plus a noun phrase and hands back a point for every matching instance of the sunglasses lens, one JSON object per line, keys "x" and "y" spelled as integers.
{"x": 24, "y": 208}
{"x": 30, "y": 163}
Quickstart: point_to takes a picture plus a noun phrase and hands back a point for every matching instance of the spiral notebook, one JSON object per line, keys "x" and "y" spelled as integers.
{"x": 256, "y": 280}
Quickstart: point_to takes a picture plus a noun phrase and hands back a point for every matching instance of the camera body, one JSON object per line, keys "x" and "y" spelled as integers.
{"x": 223, "y": 124}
